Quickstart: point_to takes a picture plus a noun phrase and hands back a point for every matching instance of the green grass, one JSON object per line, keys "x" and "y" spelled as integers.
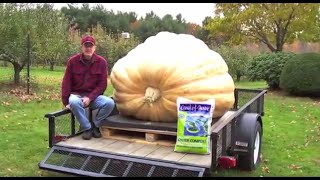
{"x": 251, "y": 85}
{"x": 290, "y": 140}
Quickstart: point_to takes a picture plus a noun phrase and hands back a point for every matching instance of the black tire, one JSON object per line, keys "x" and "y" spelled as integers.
{"x": 247, "y": 162}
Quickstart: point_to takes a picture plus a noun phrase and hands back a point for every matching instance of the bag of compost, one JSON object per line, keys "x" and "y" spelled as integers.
{"x": 194, "y": 123}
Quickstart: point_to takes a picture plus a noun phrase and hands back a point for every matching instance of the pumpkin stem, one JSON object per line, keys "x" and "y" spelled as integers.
{"x": 151, "y": 95}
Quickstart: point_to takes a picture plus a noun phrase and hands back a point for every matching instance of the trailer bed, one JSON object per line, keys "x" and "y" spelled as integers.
{"x": 108, "y": 156}
{"x": 138, "y": 150}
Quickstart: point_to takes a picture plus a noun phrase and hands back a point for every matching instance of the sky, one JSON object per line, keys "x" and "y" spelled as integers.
{"x": 191, "y": 12}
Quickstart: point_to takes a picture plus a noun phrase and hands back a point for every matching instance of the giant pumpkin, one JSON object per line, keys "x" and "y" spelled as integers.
{"x": 148, "y": 80}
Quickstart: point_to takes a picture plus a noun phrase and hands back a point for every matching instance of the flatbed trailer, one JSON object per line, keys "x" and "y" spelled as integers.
{"x": 236, "y": 139}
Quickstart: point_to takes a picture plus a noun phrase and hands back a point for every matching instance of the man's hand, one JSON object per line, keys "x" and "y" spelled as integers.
{"x": 86, "y": 101}
{"x": 68, "y": 106}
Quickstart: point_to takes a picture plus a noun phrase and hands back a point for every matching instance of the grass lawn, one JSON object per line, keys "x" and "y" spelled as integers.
{"x": 290, "y": 146}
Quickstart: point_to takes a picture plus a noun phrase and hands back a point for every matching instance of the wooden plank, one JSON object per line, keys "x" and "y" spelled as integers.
{"x": 120, "y": 135}
{"x": 160, "y": 153}
{"x": 108, "y": 132}
{"x": 71, "y": 141}
{"x": 139, "y": 150}
{"x": 138, "y": 137}
{"x": 172, "y": 133}
{"x": 151, "y": 137}
{"x": 145, "y": 150}
{"x": 174, "y": 156}
{"x": 167, "y": 143}
{"x": 94, "y": 143}
{"x": 102, "y": 144}
{"x": 114, "y": 147}
{"x": 130, "y": 148}
{"x": 197, "y": 159}
{"x": 77, "y": 141}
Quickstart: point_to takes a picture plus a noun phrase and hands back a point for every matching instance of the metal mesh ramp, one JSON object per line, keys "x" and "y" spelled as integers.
{"x": 90, "y": 163}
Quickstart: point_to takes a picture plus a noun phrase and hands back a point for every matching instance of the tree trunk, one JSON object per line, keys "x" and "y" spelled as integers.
{"x": 17, "y": 69}
{"x": 272, "y": 49}
{"x": 238, "y": 77}
{"x": 51, "y": 66}
{"x": 279, "y": 47}
{"x": 238, "y": 74}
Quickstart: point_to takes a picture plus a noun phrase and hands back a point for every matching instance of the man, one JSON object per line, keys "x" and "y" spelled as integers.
{"x": 83, "y": 85}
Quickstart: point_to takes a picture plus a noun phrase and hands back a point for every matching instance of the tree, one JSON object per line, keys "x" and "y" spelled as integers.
{"x": 237, "y": 59}
{"x": 17, "y": 20}
{"x": 215, "y": 40}
{"x": 152, "y": 24}
{"x": 52, "y": 36}
{"x": 80, "y": 16}
{"x": 112, "y": 48}
{"x": 192, "y": 28}
{"x": 270, "y": 23}
{"x": 86, "y": 18}
{"x": 148, "y": 26}
{"x": 179, "y": 18}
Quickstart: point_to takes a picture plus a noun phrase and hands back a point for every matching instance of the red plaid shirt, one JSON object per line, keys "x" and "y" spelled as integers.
{"x": 84, "y": 78}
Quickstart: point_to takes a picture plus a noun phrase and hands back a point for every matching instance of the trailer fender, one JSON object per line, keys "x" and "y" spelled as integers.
{"x": 248, "y": 138}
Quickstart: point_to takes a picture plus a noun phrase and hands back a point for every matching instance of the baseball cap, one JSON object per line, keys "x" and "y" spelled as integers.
{"x": 88, "y": 39}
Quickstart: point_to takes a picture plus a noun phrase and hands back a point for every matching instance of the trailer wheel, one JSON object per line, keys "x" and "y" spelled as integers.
{"x": 251, "y": 160}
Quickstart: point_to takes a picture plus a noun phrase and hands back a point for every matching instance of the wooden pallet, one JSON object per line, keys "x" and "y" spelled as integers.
{"x": 146, "y": 136}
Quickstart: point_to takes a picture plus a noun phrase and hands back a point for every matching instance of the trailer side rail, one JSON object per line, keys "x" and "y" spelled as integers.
{"x": 246, "y": 101}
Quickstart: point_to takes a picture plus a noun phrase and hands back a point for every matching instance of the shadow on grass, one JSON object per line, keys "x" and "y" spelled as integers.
{"x": 46, "y": 173}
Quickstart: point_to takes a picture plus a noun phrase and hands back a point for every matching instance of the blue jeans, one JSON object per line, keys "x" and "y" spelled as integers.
{"x": 104, "y": 105}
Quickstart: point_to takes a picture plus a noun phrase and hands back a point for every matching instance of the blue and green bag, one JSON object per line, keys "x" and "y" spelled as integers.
{"x": 194, "y": 123}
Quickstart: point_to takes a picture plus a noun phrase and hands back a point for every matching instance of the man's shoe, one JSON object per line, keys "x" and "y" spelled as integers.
{"x": 96, "y": 132}
{"x": 87, "y": 134}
